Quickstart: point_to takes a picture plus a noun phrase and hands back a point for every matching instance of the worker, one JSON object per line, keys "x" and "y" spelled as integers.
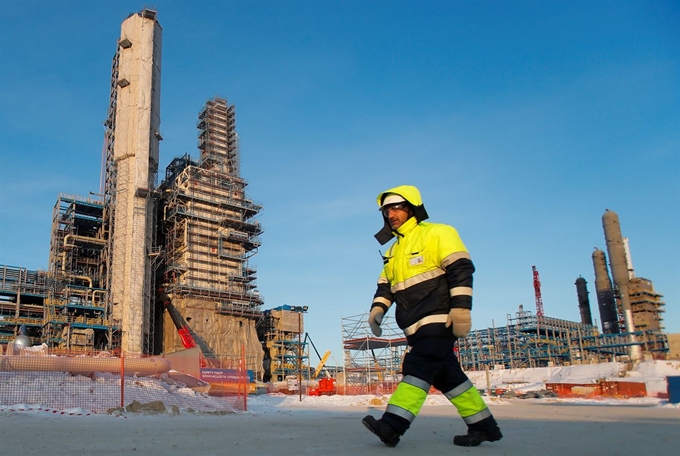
{"x": 427, "y": 273}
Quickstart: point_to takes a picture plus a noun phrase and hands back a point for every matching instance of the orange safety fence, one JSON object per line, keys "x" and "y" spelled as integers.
{"x": 100, "y": 382}
{"x": 601, "y": 389}
{"x": 373, "y": 389}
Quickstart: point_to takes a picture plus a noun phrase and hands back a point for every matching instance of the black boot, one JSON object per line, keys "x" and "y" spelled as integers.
{"x": 474, "y": 437}
{"x": 387, "y": 435}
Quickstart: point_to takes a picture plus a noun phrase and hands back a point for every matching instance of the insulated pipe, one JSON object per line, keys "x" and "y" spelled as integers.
{"x": 63, "y": 269}
{"x": 631, "y": 270}
{"x": 85, "y": 278}
{"x": 89, "y": 240}
{"x": 133, "y": 366}
{"x": 95, "y": 292}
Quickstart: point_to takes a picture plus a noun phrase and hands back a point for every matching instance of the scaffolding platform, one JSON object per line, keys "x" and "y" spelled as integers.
{"x": 371, "y": 364}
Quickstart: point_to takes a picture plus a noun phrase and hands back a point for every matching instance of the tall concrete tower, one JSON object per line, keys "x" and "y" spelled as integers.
{"x": 132, "y": 168}
{"x": 619, "y": 267}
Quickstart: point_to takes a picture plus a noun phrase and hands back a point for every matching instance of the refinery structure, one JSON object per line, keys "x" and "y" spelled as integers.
{"x": 146, "y": 267}
{"x": 153, "y": 265}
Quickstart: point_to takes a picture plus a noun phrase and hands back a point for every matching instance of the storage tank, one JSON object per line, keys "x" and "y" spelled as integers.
{"x": 583, "y": 301}
{"x": 619, "y": 267}
{"x": 605, "y": 294}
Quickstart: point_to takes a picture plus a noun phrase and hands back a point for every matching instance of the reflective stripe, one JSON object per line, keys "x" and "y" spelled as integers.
{"x": 381, "y": 300}
{"x": 469, "y": 403}
{"x": 460, "y": 291}
{"x": 415, "y": 280}
{"x": 407, "y": 400}
{"x": 383, "y": 280}
{"x": 415, "y": 381}
{"x": 405, "y": 414}
{"x": 458, "y": 390}
{"x": 454, "y": 257}
{"x": 477, "y": 417}
{"x": 425, "y": 321}
{"x": 424, "y": 277}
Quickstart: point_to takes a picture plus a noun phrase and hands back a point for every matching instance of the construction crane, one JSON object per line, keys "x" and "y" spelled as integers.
{"x": 537, "y": 291}
{"x": 322, "y": 359}
{"x": 181, "y": 326}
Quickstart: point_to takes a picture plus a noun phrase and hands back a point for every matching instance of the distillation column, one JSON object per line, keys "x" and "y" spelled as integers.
{"x": 619, "y": 268}
{"x": 136, "y": 160}
{"x": 605, "y": 294}
{"x": 583, "y": 301}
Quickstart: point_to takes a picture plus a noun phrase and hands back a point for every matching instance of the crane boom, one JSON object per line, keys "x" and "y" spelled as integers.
{"x": 322, "y": 363}
{"x": 182, "y": 328}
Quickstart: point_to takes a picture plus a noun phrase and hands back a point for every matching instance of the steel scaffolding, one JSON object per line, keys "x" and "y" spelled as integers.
{"x": 646, "y": 305}
{"x": 22, "y": 297}
{"x": 534, "y": 341}
{"x": 209, "y": 232}
{"x": 282, "y": 330}
{"x": 371, "y": 364}
{"x": 210, "y": 236}
{"x": 76, "y": 316}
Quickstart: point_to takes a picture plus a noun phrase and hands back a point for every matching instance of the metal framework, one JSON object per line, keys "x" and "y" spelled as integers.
{"x": 209, "y": 232}
{"x": 76, "y": 315}
{"x": 282, "y": 329}
{"x": 537, "y": 292}
{"x": 646, "y": 305}
{"x": 532, "y": 341}
{"x": 210, "y": 236}
{"x": 22, "y": 297}
{"x": 371, "y": 364}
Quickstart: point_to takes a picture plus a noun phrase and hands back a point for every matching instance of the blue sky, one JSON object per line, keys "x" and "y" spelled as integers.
{"x": 521, "y": 122}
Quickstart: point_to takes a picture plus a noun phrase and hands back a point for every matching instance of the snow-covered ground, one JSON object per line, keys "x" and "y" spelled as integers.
{"x": 278, "y": 424}
{"x": 31, "y": 391}
{"x": 652, "y": 373}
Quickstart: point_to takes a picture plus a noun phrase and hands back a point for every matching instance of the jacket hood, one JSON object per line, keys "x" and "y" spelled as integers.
{"x": 410, "y": 194}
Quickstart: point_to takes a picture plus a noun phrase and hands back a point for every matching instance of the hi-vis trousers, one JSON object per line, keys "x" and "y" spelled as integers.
{"x": 432, "y": 362}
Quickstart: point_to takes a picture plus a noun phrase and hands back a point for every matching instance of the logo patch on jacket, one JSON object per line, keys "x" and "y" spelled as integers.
{"x": 416, "y": 260}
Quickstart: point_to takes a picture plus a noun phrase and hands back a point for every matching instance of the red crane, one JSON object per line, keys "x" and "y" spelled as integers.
{"x": 179, "y": 322}
{"x": 537, "y": 290}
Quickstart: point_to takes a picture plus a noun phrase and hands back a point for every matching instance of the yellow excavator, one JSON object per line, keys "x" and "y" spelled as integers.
{"x": 322, "y": 359}
{"x": 319, "y": 366}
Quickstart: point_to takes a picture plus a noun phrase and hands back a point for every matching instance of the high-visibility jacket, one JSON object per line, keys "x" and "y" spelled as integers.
{"x": 427, "y": 271}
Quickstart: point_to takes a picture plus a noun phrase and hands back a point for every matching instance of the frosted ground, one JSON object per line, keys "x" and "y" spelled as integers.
{"x": 328, "y": 425}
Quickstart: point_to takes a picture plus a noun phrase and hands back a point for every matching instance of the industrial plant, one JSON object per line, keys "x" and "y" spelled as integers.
{"x": 630, "y": 310}
{"x": 148, "y": 267}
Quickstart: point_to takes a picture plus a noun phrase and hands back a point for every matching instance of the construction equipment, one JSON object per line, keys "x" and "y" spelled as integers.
{"x": 182, "y": 328}
{"x": 537, "y": 291}
{"x": 322, "y": 359}
{"x": 319, "y": 366}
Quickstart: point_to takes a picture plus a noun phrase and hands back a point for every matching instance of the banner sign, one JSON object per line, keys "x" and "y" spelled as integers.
{"x": 211, "y": 375}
